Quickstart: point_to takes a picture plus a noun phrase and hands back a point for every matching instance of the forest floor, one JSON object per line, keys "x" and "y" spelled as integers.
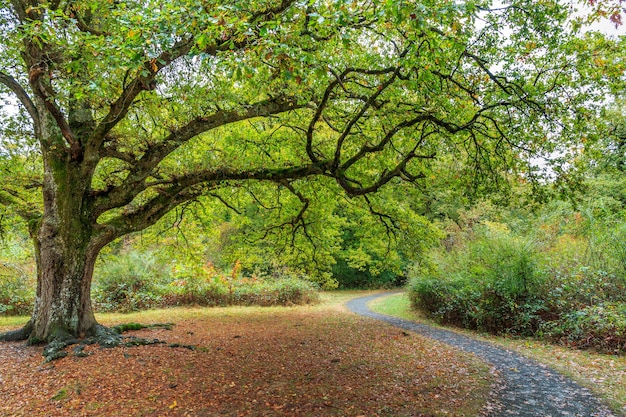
{"x": 294, "y": 361}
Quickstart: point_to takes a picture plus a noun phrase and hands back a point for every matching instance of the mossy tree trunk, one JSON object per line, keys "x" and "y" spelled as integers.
{"x": 65, "y": 259}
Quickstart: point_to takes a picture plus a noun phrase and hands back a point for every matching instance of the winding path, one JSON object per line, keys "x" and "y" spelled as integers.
{"x": 528, "y": 388}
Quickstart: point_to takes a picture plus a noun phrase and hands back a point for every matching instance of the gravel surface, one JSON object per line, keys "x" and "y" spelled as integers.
{"x": 526, "y": 388}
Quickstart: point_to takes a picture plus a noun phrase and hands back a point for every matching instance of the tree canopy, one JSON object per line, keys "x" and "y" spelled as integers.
{"x": 130, "y": 109}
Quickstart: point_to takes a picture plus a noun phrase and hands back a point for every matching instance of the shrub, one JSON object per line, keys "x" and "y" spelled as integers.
{"x": 128, "y": 282}
{"x": 17, "y": 293}
{"x": 490, "y": 284}
{"x": 196, "y": 285}
{"x": 602, "y": 327}
{"x": 206, "y": 286}
{"x": 568, "y": 288}
{"x": 267, "y": 291}
{"x": 574, "y": 290}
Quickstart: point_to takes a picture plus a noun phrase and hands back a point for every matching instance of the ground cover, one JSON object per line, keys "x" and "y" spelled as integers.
{"x": 276, "y": 361}
{"x": 604, "y": 374}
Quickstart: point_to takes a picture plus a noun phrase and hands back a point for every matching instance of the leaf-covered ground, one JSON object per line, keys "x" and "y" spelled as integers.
{"x": 303, "y": 361}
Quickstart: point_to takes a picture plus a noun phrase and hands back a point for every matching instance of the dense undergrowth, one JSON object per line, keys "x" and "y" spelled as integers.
{"x": 137, "y": 280}
{"x": 562, "y": 279}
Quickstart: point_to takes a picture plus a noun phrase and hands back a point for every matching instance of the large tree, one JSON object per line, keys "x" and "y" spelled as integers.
{"x": 137, "y": 107}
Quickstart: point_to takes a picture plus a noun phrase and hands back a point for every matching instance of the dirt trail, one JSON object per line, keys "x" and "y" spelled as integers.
{"x": 526, "y": 387}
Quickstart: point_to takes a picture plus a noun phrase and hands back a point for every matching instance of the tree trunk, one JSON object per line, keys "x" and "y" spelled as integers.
{"x": 63, "y": 302}
{"x": 66, "y": 248}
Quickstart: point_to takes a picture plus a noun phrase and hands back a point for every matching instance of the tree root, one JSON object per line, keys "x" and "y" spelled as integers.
{"x": 17, "y": 335}
{"x": 105, "y": 337}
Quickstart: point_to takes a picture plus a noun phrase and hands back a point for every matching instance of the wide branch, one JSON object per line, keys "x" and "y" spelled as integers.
{"x": 145, "y": 80}
{"x": 191, "y": 186}
{"x": 143, "y": 168}
{"x": 23, "y": 97}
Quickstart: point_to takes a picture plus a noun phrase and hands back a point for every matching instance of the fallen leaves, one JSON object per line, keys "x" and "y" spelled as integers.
{"x": 292, "y": 362}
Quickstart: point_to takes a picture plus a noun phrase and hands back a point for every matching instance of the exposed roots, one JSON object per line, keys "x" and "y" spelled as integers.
{"x": 105, "y": 337}
{"x": 17, "y": 335}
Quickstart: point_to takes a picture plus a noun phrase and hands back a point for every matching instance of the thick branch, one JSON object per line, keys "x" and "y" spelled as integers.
{"x": 22, "y": 96}
{"x": 38, "y": 77}
{"x": 144, "y": 81}
{"x": 142, "y": 169}
{"x": 327, "y": 97}
{"x": 189, "y": 187}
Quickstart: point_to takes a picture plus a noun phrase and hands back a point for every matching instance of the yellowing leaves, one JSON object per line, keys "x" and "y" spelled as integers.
{"x": 134, "y": 34}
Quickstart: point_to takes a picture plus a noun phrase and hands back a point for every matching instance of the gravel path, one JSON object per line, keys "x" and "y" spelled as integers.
{"x": 527, "y": 388}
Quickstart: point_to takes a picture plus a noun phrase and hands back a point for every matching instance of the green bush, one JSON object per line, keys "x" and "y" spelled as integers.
{"x": 490, "y": 284}
{"x": 129, "y": 282}
{"x": 286, "y": 290}
{"x": 17, "y": 293}
{"x": 578, "y": 289}
{"x": 445, "y": 300}
{"x": 602, "y": 327}
{"x": 196, "y": 285}
{"x": 206, "y": 286}
{"x": 557, "y": 285}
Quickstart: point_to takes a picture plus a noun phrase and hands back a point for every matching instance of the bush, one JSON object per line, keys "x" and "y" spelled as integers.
{"x": 602, "y": 327}
{"x": 445, "y": 300}
{"x": 128, "y": 282}
{"x": 135, "y": 281}
{"x": 206, "y": 286}
{"x": 195, "y": 285}
{"x": 286, "y": 290}
{"x": 17, "y": 293}
{"x": 490, "y": 285}
{"x": 568, "y": 288}
{"x": 578, "y": 289}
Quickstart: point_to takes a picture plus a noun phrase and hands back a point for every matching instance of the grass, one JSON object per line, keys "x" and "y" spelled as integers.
{"x": 334, "y": 300}
{"x": 604, "y": 374}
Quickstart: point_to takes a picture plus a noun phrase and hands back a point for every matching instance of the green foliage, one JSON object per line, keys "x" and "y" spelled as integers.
{"x": 349, "y": 276}
{"x": 128, "y": 282}
{"x": 207, "y": 286}
{"x": 16, "y": 291}
{"x": 17, "y": 272}
{"x": 136, "y": 280}
{"x": 489, "y": 285}
{"x": 601, "y": 326}
{"x": 557, "y": 273}
{"x": 287, "y": 290}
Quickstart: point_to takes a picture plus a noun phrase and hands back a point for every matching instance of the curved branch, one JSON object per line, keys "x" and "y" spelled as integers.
{"x": 135, "y": 182}
{"x": 144, "y": 81}
{"x": 23, "y": 97}
{"x": 189, "y": 187}
{"x": 44, "y": 90}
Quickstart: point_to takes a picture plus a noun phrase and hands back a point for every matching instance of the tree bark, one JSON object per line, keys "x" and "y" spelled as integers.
{"x": 66, "y": 247}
